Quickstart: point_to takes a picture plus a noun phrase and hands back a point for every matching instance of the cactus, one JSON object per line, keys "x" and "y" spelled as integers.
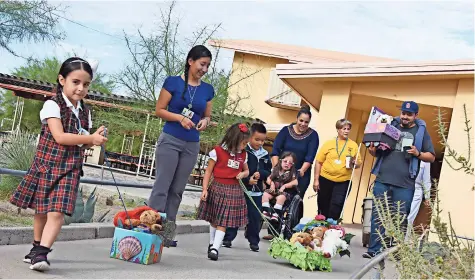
{"x": 83, "y": 212}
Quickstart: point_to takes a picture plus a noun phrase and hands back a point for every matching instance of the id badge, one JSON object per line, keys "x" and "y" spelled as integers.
{"x": 187, "y": 113}
{"x": 233, "y": 164}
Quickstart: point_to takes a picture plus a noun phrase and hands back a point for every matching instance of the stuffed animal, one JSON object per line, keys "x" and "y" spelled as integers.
{"x": 151, "y": 219}
{"x": 338, "y": 227}
{"x": 317, "y": 235}
{"x": 301, "y": 237}
{"x": 332, "y": 242}
{"x": 384, "y": 119}
{"x": 134, "y": 216}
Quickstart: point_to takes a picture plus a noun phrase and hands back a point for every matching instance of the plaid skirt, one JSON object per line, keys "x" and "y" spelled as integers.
{"x": 225, "y": 206}
{"x": 47, "y": 189}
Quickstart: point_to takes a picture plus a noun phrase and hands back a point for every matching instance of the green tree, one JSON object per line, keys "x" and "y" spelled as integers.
{"x": 162, "y": 54}
{"x": 46, "y": 71}
{"x": 28, "y": 22}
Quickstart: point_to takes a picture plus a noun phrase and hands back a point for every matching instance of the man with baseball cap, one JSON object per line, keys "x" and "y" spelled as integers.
{"x": 396, "y": 170}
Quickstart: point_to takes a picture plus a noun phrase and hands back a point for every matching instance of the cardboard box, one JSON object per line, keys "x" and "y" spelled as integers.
{"x": 136, "y": 247}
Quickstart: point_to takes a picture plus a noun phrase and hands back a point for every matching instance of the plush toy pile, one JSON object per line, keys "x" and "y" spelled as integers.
{"x": 313, "y": 244}
{"x": 145, "y": 219}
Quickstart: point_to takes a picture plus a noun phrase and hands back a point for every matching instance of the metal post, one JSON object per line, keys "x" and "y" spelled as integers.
{"x": 132, "y": 144}
{"x": 14, "y": 115}
{"x": 153, "y": 162}
{"x": 154, "y": 150}
{"x": 143, "y": 143}
{"x": 21, "y": 113}
{"x": 123, "y": 143}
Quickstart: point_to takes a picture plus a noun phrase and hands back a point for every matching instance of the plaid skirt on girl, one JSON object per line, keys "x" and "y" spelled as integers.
{"x": 225, "y": 206}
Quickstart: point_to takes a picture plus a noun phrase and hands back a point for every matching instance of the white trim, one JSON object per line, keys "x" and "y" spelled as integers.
{"x": 275, "y": 127}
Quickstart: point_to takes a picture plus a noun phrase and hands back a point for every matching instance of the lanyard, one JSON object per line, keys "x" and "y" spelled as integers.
{"x": 191, "y": 96}
{"x": 339, "y": 153}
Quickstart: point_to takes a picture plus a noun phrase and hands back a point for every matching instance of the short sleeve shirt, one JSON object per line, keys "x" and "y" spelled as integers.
{"x": 197, "y": 96}
{"x": 394, "y": 168}
{"x": 51, "y": 110}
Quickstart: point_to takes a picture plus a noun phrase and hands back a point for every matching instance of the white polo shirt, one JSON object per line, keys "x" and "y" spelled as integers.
{"x": 51, "y": 110}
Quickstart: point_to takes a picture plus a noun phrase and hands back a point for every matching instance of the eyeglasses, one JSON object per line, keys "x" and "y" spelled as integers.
{"x": 287, "y": 162}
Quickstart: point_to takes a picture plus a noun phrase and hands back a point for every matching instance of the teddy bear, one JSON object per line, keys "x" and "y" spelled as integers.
{"x": 151, "y": 219}
{"x": 134, "y": 215}
{"x": 317, "y": 235}
{"x": 384, "y": 119}
{"x": 332, "y": 242}
{"x": 303, "y": 238}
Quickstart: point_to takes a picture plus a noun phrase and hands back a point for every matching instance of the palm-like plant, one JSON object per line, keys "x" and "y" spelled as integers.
{"x": 17, "y": 152}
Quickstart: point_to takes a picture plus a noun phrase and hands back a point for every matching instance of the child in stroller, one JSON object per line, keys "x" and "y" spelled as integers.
{"x": 283, "y": 186}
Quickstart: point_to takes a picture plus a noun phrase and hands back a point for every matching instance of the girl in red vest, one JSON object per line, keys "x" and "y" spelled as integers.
{"x": 51, "y": 184}
{"x": 222, "y": 202}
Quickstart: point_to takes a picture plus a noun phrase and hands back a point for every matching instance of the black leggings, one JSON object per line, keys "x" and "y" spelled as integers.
{"x": 331, "y": 197}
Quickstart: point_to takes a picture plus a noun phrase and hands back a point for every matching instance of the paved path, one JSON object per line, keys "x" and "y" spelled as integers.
{"x": 90, "y": 259}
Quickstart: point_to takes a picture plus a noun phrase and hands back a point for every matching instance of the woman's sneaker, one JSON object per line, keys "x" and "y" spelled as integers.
{"x": 31, "y": 254}
{"x": 254, "y": 248}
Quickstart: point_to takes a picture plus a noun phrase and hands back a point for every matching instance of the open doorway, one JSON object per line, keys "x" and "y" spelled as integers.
{"x": 358, "y": 113}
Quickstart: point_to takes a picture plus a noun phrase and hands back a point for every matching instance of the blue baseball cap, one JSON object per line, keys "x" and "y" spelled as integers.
{"x": 410, "y": 106}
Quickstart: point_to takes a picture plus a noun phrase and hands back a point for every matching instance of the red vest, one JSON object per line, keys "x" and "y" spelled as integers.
{"x": 224, "y": 174}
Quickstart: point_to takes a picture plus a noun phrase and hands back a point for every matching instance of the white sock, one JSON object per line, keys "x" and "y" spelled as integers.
{"x": 278, "y": 206}
{"x": 266, "y": 204}
{"x": 218, "y": 239}
{"x": 212, "y": 233}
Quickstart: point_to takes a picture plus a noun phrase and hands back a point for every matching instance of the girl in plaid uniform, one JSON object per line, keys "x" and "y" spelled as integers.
{"x": 51, "y": 184}
{"x": 222, "y": 202}
{"x": 283, "y": 182}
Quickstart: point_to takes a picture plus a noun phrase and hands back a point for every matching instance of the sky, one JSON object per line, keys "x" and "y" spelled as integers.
{"x": 422, "y": 30}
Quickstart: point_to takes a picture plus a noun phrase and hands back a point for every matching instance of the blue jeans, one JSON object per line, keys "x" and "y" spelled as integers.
{"x": 394, "y": 194}
{"x": 253, "y": 224}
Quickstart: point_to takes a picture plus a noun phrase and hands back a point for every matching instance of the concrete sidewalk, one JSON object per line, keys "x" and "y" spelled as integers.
{"x": 90, "y": 259}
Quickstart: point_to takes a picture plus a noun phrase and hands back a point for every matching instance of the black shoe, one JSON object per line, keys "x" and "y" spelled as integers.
{"x": 369, "y": 255}
{"x": 227, "y": 244}
{"x": 213, "y": 254}
{"x": 39, "y": 261}
{"x": 30, "y": 255}
{"x": 254, "y": 248}
{"x": 209, "y": 247}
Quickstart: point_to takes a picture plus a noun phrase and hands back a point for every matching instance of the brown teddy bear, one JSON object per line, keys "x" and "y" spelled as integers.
{"x": 317, "y": 235}
{"x": 151, "y": 220}
{"x": 301, "y": 237}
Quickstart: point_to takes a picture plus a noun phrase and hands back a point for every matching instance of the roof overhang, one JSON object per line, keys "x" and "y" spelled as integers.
{"x": 291, "y": 53}
{"x": 308, "y": 79}
{"x": 354, "y": 70}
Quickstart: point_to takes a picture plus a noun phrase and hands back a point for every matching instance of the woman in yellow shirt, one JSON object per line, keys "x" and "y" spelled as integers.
{"x": 335, "y": 161}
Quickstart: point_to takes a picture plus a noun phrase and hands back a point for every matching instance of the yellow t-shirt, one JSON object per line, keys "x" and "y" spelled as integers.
{"x": 333, "y": 168}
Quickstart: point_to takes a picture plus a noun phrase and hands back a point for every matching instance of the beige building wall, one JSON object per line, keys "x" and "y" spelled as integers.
{"x": 455, "y": 187}
{"x": 250, "y": 84}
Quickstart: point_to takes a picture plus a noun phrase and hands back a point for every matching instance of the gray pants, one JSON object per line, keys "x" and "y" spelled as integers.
{"x": 175, "y": 159}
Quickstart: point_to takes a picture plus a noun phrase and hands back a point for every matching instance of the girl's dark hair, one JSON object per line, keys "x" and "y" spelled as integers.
{"x": 305, "y": 109}
{"x": 195, "y": 53}
{"x": 69, "y": 65}
{"x": 278, "y": 168}
{"x": 235, "y": 134}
